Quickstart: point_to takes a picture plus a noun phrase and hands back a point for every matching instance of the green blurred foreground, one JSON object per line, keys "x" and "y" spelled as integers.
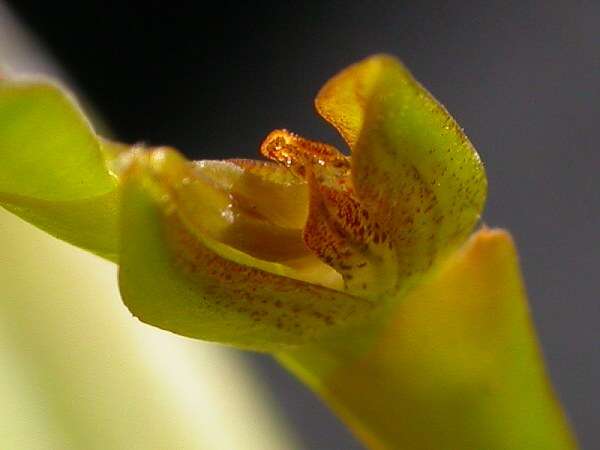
{"x": 77, "y": 372}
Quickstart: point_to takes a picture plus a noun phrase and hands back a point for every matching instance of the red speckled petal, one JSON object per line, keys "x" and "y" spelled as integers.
{"x": 338, "y": 229}
{"x": 413, "y": 169}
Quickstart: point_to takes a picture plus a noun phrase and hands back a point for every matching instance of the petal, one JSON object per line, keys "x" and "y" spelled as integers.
{"x": 176, "y": 275}
{"x": 413, "y": 169}
{"x": 91, "y": 224}
{"x": 261, "y": 209}
{"x": 53, "y": 172}
{"x": 338, "y": 229}
{"x": 456, "y": 364}
{"x": 48, "y": 149}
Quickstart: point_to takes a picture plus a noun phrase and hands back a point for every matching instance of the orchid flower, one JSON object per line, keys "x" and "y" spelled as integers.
{"x": 359, "y": 273}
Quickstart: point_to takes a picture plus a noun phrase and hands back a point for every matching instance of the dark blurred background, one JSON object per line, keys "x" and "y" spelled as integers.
{"x": 522, "y": 78}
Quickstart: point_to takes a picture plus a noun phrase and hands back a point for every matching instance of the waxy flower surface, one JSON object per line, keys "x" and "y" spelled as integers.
{"x": 356, "y": 271}
{"x": 291, "y": 248}
{"x": 264, "y": 254}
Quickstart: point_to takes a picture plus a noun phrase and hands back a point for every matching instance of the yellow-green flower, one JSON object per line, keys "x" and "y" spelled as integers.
{"x": 263, "y": 254}
{"x": 254, "y": 253}
{"x": 348, "y": 268}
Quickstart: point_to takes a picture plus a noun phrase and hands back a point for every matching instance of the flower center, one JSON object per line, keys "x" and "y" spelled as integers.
{"x": 258, "y": 208}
